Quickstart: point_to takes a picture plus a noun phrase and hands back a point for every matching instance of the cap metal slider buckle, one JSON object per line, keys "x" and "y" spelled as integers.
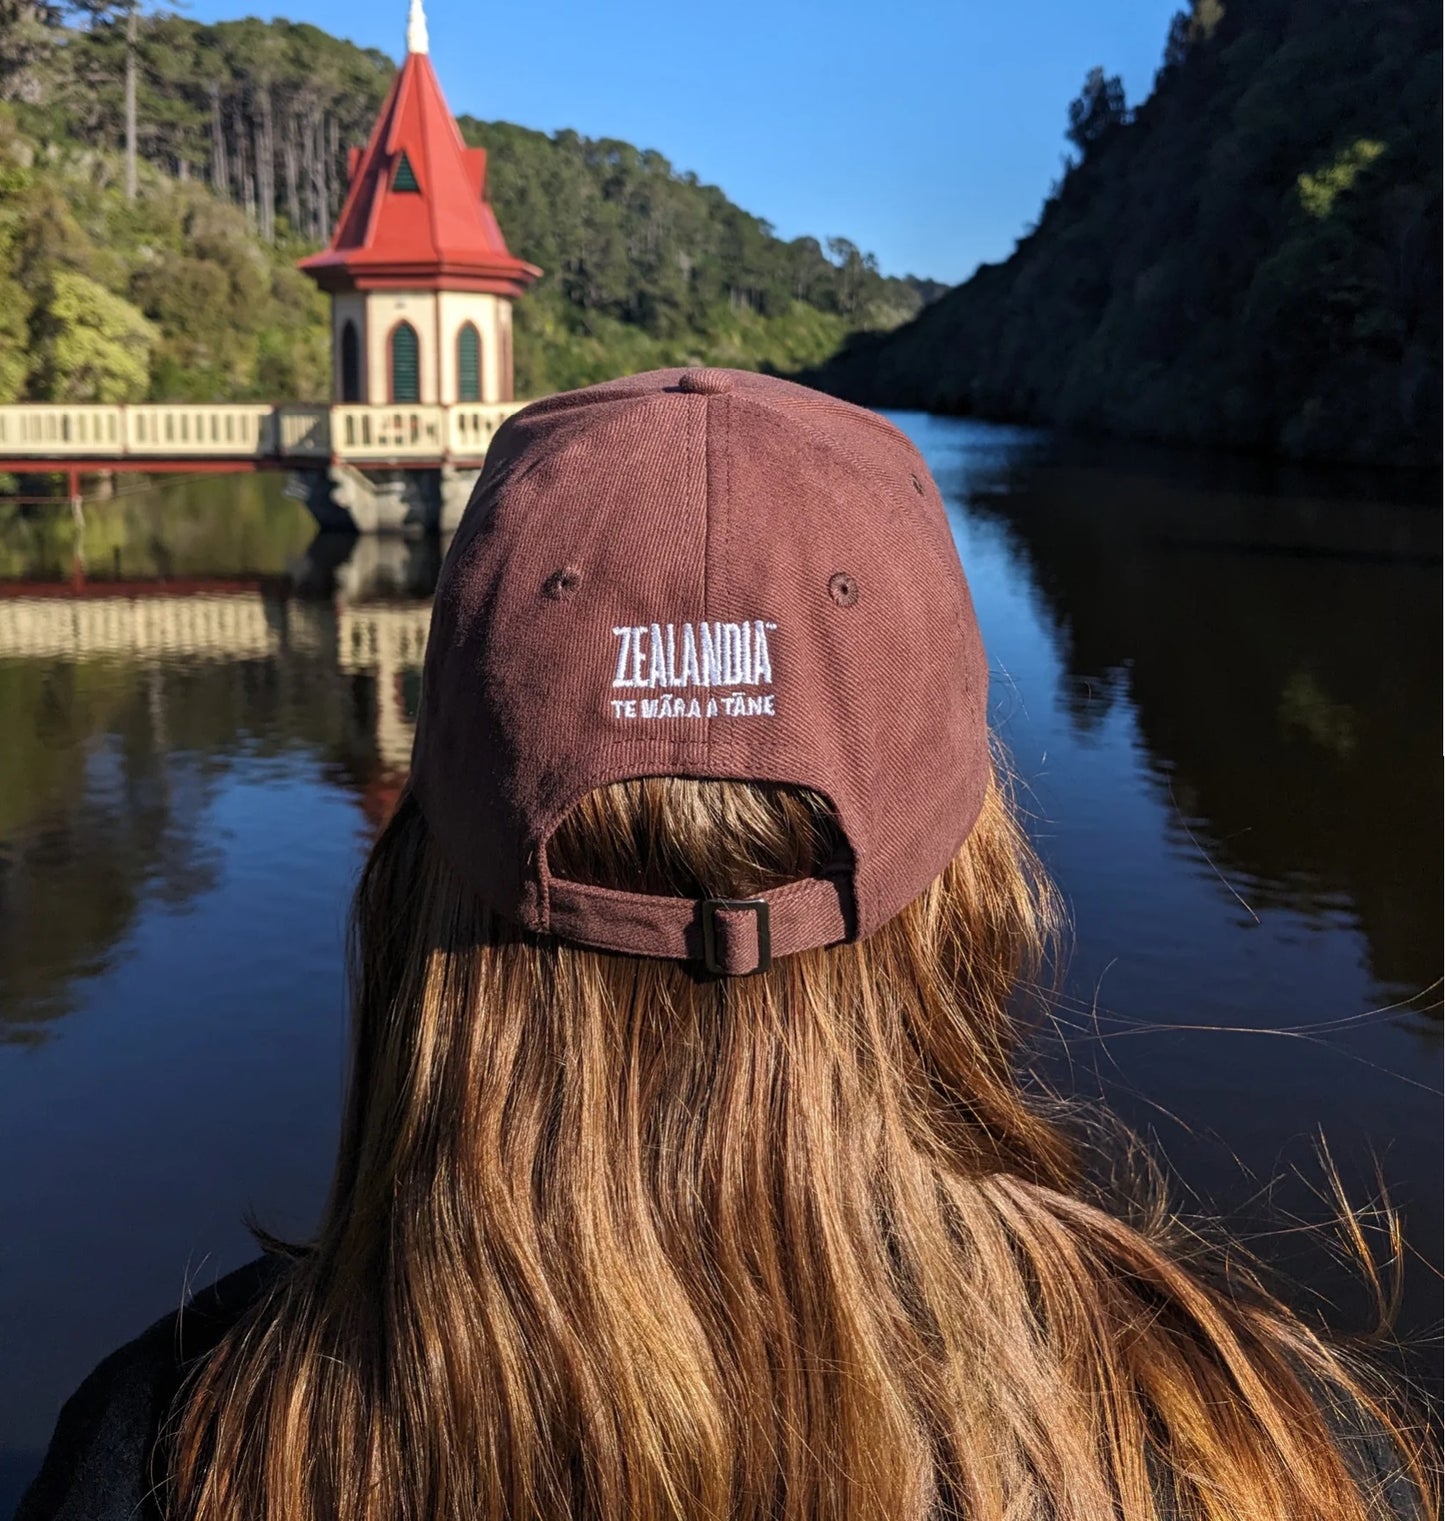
{"x": 758, "y": 906}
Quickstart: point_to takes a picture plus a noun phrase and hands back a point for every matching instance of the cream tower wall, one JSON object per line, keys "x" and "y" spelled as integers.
{"x": 506, "y": 360}
{"x": 487, "y": 314}
{"x": 438, "y": 318}
{"x": 384, "y": 309}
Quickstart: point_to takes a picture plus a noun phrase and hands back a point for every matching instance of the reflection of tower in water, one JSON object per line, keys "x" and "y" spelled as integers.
{"x": 386, "y": 641}
{"x": 377, "y": 583}
{"x": 342, "y": 636}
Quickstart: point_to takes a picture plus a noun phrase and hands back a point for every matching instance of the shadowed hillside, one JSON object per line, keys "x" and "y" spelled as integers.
{"x": 1251, "y": 258}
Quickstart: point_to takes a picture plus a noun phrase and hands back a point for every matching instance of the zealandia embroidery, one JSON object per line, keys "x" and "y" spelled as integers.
{"x": 694, "y": 655}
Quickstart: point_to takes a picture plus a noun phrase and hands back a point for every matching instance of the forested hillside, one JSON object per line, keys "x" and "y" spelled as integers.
{"x": 175, "y": 279}
{"x": 648, "y": 267}
{"x": 1252, "y": 257}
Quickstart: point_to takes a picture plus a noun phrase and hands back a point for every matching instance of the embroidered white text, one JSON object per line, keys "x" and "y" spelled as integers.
{"x": 675, "y": 656}
{"x": 694, "y": 655}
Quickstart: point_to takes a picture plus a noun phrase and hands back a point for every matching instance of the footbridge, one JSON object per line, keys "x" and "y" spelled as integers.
{"x": 240, "y": 435}
{"x": 357, "y": 467}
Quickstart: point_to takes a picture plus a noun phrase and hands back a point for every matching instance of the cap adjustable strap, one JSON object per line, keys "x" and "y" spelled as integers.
{"x": 734, "y": 936}
{"x": 737, "y": 936}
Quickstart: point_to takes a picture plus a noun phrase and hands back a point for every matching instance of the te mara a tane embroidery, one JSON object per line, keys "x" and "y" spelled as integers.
{"x": 694, "y": 655}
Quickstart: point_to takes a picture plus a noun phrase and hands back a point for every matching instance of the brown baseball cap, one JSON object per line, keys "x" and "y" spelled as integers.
{"x": 702, "y": 573}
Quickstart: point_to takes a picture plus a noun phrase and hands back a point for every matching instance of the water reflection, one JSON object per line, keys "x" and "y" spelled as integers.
{"x": 169, "y": 529}
{"x": 124, "y": 697}
{"x": 1280, "y": 655}
{"x": 1214, "y": 687}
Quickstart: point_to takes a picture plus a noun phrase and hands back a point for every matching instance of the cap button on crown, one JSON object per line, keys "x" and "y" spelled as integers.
{"x": 703, "y": 382}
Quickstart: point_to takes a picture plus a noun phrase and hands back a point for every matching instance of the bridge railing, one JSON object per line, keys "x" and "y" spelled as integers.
{"x": 470, "y": 426}
{"x": 211, "y": 431}
{"x": 305, "y": 432}
{"x": 251, "y": 430}
{"x": 396, "y": 432}
{"x": 59, "y": 430}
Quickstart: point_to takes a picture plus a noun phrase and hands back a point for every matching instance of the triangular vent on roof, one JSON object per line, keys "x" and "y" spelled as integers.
{"x": 405, "y": 176}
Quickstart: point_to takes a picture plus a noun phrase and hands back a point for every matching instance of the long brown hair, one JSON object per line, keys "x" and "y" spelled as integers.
{"x": 610, "y": 1241}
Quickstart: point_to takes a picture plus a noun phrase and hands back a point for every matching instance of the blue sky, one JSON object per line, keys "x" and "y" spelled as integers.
{"x": 926, "y": 132}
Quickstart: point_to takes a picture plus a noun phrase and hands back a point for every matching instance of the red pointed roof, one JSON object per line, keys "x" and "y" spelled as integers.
{"x": 443, "y": 235}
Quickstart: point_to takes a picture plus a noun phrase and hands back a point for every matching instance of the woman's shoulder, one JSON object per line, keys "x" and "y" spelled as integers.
{"x": 98, "y": 1464}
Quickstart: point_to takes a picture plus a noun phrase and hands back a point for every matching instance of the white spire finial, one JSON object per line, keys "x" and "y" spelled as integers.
{"x": 416, "y": 38}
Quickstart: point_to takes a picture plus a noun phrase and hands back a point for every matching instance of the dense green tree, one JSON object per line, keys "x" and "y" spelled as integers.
{"x": 646, "y": 265}
{"x": 89, "y": 344}
{"x": 1099, "y": 109}
{"x": 29, "y": 35}
{"x": 124, "y": 17}
{"x": 242, "y": 131}
{"x": 227, "y": 316}
{"x": 15, "y": 303}
{"x": 1251, "y": 259}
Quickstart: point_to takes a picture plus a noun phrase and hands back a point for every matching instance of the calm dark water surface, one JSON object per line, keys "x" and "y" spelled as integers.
{"x": 1222, "y": 697}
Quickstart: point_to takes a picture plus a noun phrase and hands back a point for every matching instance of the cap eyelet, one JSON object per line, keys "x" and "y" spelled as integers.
{"x": 562, "y": 583}
{"x": 843, "y": 589}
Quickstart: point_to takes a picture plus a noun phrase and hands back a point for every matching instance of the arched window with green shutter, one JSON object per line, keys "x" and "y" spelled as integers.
{"x": 405, "y": 369}
{"x": 469, "y": 364}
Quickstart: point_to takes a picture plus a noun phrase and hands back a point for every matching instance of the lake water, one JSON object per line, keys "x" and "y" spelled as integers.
{"x": 1221, "y": 692}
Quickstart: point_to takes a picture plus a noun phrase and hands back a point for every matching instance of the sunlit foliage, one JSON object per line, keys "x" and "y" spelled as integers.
{"x": 243, "y": 130}
{"x": 93, "y": 345}
{"x": 1319, "y": 192}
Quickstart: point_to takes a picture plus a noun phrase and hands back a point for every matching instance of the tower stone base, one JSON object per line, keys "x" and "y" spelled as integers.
{"x": 349, "y": 500}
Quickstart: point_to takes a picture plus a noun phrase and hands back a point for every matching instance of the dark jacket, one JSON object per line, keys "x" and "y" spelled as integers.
{"x": 97, "y": 1467}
